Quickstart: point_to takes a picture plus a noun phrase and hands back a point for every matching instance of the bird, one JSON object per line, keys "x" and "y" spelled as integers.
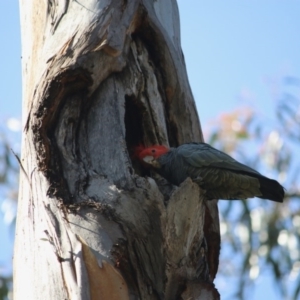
{"x": 220, "y": 175}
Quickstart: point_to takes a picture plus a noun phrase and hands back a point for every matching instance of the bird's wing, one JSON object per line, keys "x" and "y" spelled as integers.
{"x": 201, "y": 155}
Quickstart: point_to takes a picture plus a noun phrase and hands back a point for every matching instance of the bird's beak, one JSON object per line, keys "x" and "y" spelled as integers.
{"x": 150, "y": 160}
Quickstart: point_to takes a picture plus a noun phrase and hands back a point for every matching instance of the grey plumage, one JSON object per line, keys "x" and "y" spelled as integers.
{"x": 216, "y": 172}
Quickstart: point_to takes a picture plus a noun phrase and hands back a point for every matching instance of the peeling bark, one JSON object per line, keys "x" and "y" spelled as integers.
{"x": 100, "y": 78}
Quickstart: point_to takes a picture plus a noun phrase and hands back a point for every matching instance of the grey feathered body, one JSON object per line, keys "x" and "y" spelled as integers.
{"x": 221, "y": 176}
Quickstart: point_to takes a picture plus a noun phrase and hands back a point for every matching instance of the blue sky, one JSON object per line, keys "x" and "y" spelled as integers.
{"x": 237, "y": 48}
{"x": 10, "y": 60}
{"x": 235, "y": 51}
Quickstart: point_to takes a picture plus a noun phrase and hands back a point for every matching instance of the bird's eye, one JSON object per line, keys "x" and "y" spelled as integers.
{"x": 153, "y": 150}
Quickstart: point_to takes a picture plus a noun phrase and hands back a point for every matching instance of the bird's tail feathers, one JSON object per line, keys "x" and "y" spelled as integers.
{"x": 271, "y": 189}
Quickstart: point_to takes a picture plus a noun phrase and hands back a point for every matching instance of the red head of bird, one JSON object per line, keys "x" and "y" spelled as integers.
{"x": 149, "y": 155}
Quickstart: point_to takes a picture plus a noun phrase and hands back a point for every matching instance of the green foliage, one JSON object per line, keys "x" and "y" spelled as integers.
{"x": 9, "y": 171}
{"x": 263, "y": 237}
{"x": 5, "y": 287}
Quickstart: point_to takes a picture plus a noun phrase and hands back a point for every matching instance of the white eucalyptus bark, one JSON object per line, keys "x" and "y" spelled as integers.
{"x": 99, "y": 78}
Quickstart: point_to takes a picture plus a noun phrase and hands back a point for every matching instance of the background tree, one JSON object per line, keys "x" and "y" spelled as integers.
{"x": 99, "y": 79}
{"x": 9, "y": 171}
{"x": 263, "y": 236}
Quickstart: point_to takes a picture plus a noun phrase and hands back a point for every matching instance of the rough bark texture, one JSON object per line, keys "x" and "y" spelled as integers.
{"x": 101, "y": 77}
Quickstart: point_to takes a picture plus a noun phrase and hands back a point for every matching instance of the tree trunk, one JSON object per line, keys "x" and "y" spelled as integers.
{"x": 100, "y": 78}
